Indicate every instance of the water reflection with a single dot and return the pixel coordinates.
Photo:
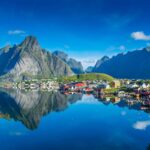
(142, 103)
(29, 107)
(89, 124)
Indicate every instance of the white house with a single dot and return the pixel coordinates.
(145, 86)
(134, 85)
(104, 86)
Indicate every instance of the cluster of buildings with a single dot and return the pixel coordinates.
(89, 86)
(38, 84)
(136, 84)
(122, 88)
(127, 90)
(138, 87)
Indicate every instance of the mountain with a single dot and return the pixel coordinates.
(100, 62)
(89, 69)
(132, 65)
(28, 60)
(75, 65)
(63, 56)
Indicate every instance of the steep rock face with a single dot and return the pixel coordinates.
(75, 65)
(63, 56)
(100, 62)
(5, 49)
(28, 59)
(133, 65)
(89, 69)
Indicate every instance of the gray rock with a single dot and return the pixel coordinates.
(28, 59)
(99, 63)
(63, 56)
(89, 69)
(76, 66)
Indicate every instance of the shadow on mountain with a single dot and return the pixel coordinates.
(29, 107)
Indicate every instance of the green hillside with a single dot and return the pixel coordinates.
(89, 76)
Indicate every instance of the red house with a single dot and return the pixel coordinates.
(80, 85)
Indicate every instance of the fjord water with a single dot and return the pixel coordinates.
(50, 120)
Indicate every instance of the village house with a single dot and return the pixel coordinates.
(115, 100)
(73, 86)
(43, 85)
(34, 86)
(145, 86)
(104, 86)
(92, 85)
(132, 85)
(52, 85)
(124, 82)
(115, 84)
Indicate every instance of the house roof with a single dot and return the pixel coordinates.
(79, 84)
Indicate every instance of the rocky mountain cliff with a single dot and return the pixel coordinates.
(89, 69)
(132, 65)
(63, 56)
(28, 60)
(100, 62)
(75, 65)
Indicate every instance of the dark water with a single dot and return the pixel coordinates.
(51, 120)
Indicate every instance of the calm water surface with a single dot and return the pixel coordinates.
(51, 120)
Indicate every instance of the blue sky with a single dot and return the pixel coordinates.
(85, 29)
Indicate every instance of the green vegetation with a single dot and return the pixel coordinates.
(83, 77)
(2, 84)
(125, 89)
(5, 84)
(110, 91)
(27, 76)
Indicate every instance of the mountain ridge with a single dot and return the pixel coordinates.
(132, 65)
(28, 59)
(76, 66)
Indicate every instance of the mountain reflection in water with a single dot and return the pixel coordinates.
(29, 107)
(89, 122)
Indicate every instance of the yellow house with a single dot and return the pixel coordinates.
(115, 84)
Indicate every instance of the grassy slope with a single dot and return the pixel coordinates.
(90, 76)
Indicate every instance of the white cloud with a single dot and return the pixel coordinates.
(140, 35)
(16, 32)
(141, 125)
